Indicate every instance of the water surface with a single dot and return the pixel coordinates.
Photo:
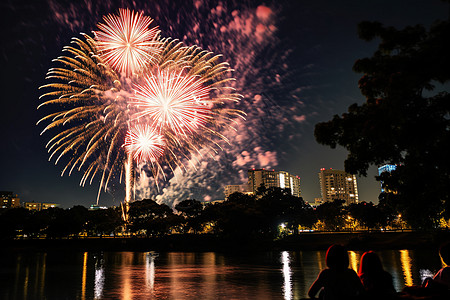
(183, 275)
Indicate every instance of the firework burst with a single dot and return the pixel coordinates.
(126, 42)
(144, 143)
(173, 101)
(107, 123)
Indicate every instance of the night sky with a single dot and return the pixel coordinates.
(293, 65)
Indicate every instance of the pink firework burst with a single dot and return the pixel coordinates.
(126, 42)
(173, 101)
(144, 143)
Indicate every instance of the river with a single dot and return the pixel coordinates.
(185, 275)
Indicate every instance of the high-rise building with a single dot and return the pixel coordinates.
(385, 168)
(272, 178)
(9, 200)
(233, 188)
(337, 184)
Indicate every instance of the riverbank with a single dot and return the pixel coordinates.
(205, 243)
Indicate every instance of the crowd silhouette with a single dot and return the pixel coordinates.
(339, 282)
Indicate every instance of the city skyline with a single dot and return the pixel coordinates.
(301, 66)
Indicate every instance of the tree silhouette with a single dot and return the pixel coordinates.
(332, 214)
(402, 121)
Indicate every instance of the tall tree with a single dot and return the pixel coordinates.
(332, 214)
(189, 207)
(149, 217)
(402, 121)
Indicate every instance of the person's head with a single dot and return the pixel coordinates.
(337, 257)
(444, 252)
(370, 263)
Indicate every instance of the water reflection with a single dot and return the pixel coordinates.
(149, 270)
(127, 260)
(83, 278)
(286, 275)
(406, 266)
(177, 275)
(99, 279)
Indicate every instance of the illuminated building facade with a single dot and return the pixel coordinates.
(385, 168)
(233, 188)
(39, 206)
(337, 184)
(9, 200)
(272, 178)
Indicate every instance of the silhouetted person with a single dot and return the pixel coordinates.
(337, 281)
(376, 281)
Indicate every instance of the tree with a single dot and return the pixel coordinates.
(367, 214)
(189, 207)
(12, 221)
(38, 222)
(149, 217)
(104, 221)
(64, 222)
(401, 122)
(331, 213)
(190, 210)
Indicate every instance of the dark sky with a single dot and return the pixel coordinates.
(293, 62)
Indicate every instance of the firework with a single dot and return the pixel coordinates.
(173, 101)
(92, 113)
(109, 123)
(126, 42)
(144, 143)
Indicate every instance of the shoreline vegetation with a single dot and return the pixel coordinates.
(359, 240)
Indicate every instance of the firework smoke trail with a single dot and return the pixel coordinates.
(97, 118)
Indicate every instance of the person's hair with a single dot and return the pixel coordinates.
(370, 263)
(337, 257)
(444, 252)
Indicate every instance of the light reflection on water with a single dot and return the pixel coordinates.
(178, 275)
(83, 280)
(286, 275)
(99, 280)
(406, 266)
